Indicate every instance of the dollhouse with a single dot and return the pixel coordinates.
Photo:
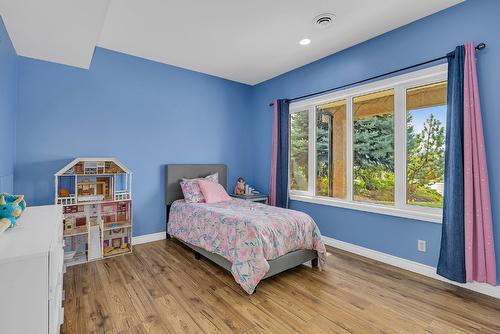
(96, 199)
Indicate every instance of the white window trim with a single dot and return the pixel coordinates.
(399, 84)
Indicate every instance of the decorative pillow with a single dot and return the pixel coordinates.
(212, 177)
(191, 190)
(213, 192)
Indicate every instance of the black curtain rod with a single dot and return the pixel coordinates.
(480, 46)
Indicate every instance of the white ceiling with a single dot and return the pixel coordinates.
(61, 31)
(245, 41)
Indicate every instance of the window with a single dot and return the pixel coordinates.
(377, 147)
(331, 149)
(299, 150)
(373, 146)
(426, 119)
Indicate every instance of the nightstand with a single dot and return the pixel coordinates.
(261, 198)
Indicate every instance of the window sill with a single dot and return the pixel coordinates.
(422, 215)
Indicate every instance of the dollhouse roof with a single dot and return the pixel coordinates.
(77, 160)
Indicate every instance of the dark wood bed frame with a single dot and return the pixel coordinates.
(174, 174)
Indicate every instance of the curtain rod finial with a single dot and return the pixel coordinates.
(480, 46)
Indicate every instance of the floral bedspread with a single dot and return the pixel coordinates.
(245, 233)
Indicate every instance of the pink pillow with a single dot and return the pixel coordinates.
(191, 190)
(213, 192)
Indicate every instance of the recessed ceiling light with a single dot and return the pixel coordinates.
(305, 41)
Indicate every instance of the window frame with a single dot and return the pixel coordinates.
(400, 84)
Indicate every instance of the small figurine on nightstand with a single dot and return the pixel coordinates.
(240, 187)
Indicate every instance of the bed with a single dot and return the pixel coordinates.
(253, 241)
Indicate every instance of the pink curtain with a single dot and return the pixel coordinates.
(274, 159)
(480, 262)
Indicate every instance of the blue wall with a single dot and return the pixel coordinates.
(8, 106)
(436, 35)
(145, 114)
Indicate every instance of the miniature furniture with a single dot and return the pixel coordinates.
(31, 273)
(261, 198)
(96, 199)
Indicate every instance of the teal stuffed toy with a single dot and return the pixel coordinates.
(11, 208)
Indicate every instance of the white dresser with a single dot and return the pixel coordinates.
(31, 273)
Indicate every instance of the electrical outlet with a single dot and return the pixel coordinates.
(422, 246)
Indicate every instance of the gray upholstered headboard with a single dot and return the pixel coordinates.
(174, 174)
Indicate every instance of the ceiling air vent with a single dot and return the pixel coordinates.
(324, 20)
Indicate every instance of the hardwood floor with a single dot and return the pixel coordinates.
(161, 288)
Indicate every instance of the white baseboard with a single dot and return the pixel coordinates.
(142, 239)
(412, 266)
